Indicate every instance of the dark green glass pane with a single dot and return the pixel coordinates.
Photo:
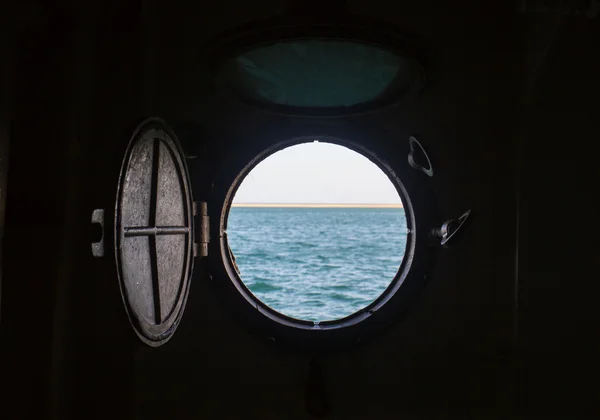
(318, 73)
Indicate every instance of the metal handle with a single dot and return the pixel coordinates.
(413, 144)
(98, 247)
(451, 228)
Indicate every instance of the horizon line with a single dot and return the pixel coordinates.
(320, 205)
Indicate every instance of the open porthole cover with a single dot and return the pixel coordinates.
(154, 232)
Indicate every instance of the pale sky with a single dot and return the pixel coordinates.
(317, 172)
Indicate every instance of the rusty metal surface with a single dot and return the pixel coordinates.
(154, 232)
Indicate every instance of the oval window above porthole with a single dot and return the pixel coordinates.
(319, 74)
(320, 68)
(316, 233)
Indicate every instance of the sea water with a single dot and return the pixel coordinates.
(317, 264)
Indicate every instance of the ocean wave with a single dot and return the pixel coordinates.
(317, 264)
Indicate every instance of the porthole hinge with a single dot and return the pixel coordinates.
(201, 211)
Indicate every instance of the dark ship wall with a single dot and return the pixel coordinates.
(507, 322)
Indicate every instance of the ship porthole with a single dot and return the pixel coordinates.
(317, 233)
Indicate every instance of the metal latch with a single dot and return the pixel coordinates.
(201, 210)
(98, 219)
(451, 228)
(418, 157)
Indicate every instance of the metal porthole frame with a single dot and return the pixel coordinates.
(420, 206)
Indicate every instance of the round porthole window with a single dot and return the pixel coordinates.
(317, 234)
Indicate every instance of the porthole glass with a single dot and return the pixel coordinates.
(319, 74)
(317, 232)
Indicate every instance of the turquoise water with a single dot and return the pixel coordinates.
(317, 264)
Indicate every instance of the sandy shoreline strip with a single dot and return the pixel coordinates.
(319, 206)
